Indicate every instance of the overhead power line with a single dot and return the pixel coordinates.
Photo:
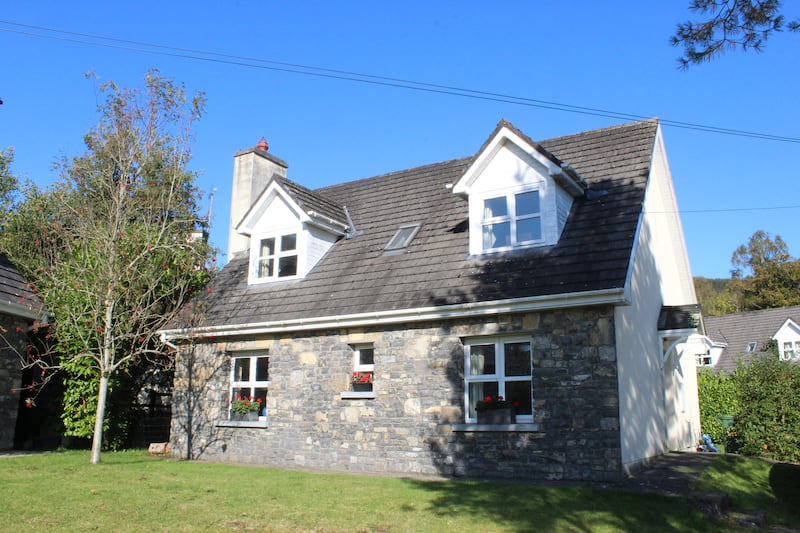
(344, 75)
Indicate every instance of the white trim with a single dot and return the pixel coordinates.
(419, 314)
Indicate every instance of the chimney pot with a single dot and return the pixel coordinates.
(262, 145)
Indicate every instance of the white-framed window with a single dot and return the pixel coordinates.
(276, 257)
(363, 368)
(790, 351)
(496, 367)
(250, 379)
(511, 219)
(704, 359)
(751, 347)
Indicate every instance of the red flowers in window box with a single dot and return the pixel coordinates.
(490, 403)
(362, 377)
(243, 404)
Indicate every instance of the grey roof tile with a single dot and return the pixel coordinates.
(740, 329)
(357, 277)
(15, 291)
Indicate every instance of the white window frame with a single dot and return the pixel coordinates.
(511, 218)
(251, 383)
(277, 255)
(358, 366)
(499, 375)
(792, 352)
(704, 360)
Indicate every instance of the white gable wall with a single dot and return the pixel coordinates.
(658, 406)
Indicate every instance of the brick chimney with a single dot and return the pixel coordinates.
(252, 170)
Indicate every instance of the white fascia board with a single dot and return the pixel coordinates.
(477, 309)
(505, 135)
(326, 223)
(252, 216)
(788, 325)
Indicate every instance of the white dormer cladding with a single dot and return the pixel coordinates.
(788, 340)
(285, 241)
(519, 195)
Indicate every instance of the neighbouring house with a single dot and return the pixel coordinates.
(20, 310)
(371, 326)
(739, 337)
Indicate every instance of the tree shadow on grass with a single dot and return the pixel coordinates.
(517, 507)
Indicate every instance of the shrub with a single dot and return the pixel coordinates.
(718, 397)
(768, 422)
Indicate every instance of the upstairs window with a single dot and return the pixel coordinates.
(277, 257)
(511, 220)
(790, 351)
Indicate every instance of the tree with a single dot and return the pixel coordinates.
(109, 247)
(764, 274)
(8, 185)
(731, 24)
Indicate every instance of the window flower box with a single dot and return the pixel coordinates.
(495, 411)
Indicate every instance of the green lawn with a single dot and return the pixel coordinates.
(130, 491)
(750, 487)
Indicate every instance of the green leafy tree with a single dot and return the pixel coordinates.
(764, 275)
(714, 297)
(9, 186)
(110, 248)
(728, 25)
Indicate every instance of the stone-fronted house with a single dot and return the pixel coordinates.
(370, 320)
(737, 338)
(20, 308)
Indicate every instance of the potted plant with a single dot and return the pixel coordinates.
(244, 408)
(362, 381)
(496, 410)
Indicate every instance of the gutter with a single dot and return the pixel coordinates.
(421, 314)
(11, 308)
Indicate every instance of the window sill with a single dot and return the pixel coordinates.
(241, 423)
(520, 428)
(364, 395)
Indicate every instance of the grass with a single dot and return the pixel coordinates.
(747, 482)
(129, 491)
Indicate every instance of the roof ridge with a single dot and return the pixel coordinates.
(401, 171)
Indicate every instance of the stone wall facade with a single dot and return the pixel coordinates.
(415, 422)
(13, 341)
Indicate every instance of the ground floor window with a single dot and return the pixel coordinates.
(499, 369)
(363, 368)
(249, 385)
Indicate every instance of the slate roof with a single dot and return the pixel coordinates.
(16, 296)
(357, 277)
(740, 329)
(310, 201)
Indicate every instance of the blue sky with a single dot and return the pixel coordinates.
(611, 55)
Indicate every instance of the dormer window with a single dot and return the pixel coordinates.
(511, 220)
(277, 257)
